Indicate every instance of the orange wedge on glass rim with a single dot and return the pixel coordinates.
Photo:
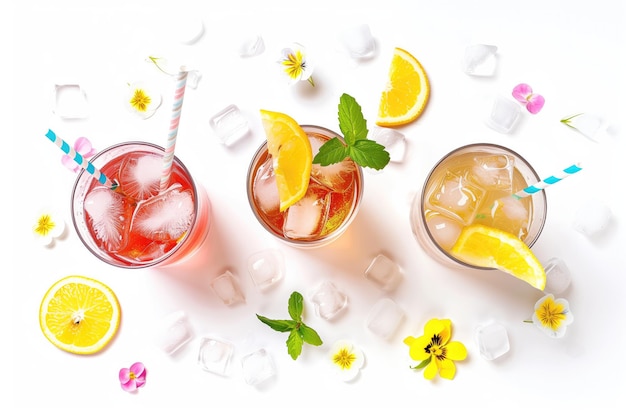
(292, 156)
(407, 92)
(488, 247)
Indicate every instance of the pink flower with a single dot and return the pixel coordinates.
(83, 147)
(133, 377)
(524, 94)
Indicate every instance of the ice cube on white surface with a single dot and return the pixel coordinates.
(358, 41)
(328, 300)
(251, 46)
(558, 277)
(106, 210)
(266, 268)
(226, 287)
(480, 60)
(193, 79)
(592, 217)
(492, 340)
(229, 124)
(384, 272)
(504, 115)
(258, 367)
(393, 140)
(70, 101)
(384, 318)
(214, 355)
(174, 332)
(140, 177)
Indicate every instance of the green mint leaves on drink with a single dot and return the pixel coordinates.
(299, 333)
(363, 151)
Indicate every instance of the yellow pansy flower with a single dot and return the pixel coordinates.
(552, 316)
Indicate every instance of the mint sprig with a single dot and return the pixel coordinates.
(353, 126)
(299, 333)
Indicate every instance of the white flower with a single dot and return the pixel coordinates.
(346, 360)
(295, 64)
(142, 101)
(552, 316)
(48, 226)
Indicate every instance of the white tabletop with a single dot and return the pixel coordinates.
(571, 52)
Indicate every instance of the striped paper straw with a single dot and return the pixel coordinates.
(548, 181)
(168, 157)
(80, 160)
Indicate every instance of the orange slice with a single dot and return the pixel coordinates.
(492, 248)
(79, 315)
(292, 156)
(406, 93)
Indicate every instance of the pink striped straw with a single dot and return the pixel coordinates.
(168, 157)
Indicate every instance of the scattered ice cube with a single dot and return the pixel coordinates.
(393, 140)
(266, 190)
(229, 125)
(457, 196)
(266, 268)
(480, 60)
(258, 367)
(140, 177)
(107, 213)
(492, 340)
(214, 355)
(558, 277)
(70, 101)
(227, 288)
(592, 217)
(328, 300)
(384, 318)
(251, 46)
(193, 79)
(493, 172)
(165, 217)
(504, 115)
(358, 41)
(174, 332)
(384, 272)
(445, 230)
(306, 218)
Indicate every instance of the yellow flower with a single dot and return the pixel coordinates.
(552, 316)
(142, 101)
(48, 227)
(435, 351)
(295, 64)
(346, 360)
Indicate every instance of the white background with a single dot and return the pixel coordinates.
(571, 52)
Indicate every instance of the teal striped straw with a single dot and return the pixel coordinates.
(80, 160)
(532, 189)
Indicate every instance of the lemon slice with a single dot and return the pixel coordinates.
(79, 315)
(492, 248)
(292, 156)
(406, 93)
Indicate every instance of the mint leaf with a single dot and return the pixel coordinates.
(331, 152)
(351, 121)
(369, 153)
(279, 325)
(295, 306)
(294, 344)
(310, 336)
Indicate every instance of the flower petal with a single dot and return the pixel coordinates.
(456, 351)
(124, 375)
(417, 349)
(447, 368)
(83, 147)
(431, 370)
(521, 92)
(535, 103)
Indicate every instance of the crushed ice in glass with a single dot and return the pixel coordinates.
(70, 101)
(214, 355)
(266, 268)
(492, 340)
(480, 60)
(140, 177)
(174, 332)
(493, 171)
(384, 318)
(229, 125)
(358, 41)
(591, 218)
(504, 115)
(558, 277)
(384, 272)
(106, 210)
(457, 196)
(337, 177)
(393, 140)
(226, 287)
(258, 367)
(328, 300)
(266, 192)
(306, 218)
(445, 231)
(251, 46)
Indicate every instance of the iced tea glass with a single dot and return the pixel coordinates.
(323, 214)
(475, 184)
(136, 226)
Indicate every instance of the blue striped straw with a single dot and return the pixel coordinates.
(548, 181)
(80, 160)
